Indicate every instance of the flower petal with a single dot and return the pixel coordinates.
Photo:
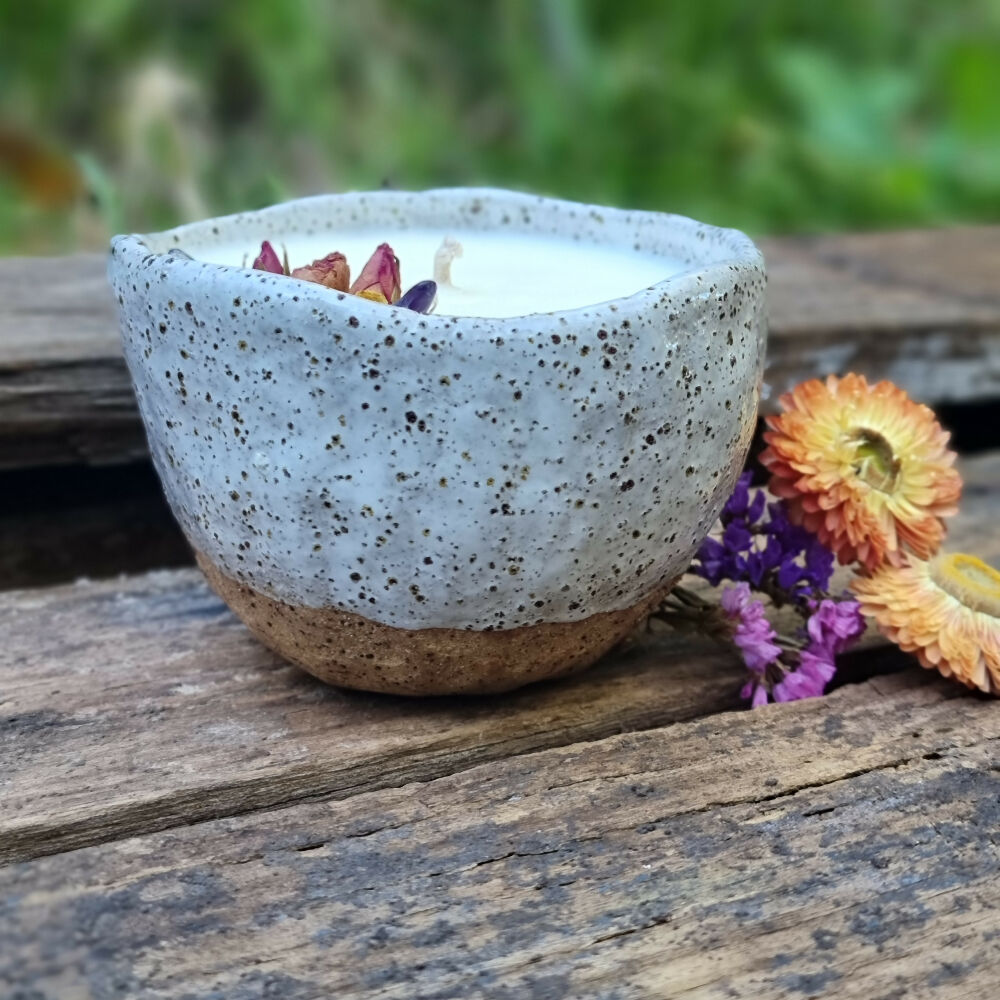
(421, 297)
(331, 271)
(381, 273)
(932, 609)
(863, 467)
(268, 260)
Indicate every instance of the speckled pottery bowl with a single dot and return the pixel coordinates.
(436, 504)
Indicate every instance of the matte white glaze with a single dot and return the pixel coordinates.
(440, 471)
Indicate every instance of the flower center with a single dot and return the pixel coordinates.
(874, 461)
(969, 580)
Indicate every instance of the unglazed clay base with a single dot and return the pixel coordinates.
(348, 650)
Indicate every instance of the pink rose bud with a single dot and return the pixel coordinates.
(332, 271)
(380, 274)
(267, 260)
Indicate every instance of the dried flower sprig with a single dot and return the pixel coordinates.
(863, 474)
(332, 271)
(770, 553)
(864, 468)
(945, 610)
(379, 280)
(760, 550)
(267, 260)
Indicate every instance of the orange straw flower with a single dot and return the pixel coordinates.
(863, 467)
(947, 611)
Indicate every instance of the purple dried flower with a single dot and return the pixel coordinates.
(795, 541)
(807, 680)
(756, 507)
(752, 632)
(834, 625)
(736, 537)
(422, 297)
(831, 628)
(817, 664)
(797, 684)
(773, 554)
(712, 561)
(755, 690)
(759, 547)
(736, 505)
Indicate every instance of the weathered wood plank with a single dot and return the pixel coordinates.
(141, 704)
(922, 308)
(844, 847)
(138, 704)
(65, 395)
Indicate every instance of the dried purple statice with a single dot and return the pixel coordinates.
(771, 554)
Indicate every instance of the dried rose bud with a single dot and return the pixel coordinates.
(267, 260)
(381, 273)
(421, 298)
(331, 271)
(373, 295)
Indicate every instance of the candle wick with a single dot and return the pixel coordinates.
(450, 249)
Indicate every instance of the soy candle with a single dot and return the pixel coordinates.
(465, 501)
(497, 274)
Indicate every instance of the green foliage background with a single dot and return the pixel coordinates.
(769, 115)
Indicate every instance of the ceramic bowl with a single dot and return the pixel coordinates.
(436, 504)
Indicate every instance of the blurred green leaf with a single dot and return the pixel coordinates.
(770, 116)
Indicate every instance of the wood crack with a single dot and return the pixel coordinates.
(176, 810)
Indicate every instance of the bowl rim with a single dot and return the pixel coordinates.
(694, 280)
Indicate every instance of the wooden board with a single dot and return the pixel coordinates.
(922, 308)
(139, 704)
(133, 705)
(65, 395)
(838, 848)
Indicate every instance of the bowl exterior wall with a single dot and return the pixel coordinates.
(440, 472)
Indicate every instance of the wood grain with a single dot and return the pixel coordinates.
(65, 395)
(922, 308)
(138, 704)
(143, 703)
(838, 848)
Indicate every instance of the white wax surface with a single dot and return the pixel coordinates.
(498, 274)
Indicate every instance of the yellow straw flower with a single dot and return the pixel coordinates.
(863, 467)
(947, 611)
